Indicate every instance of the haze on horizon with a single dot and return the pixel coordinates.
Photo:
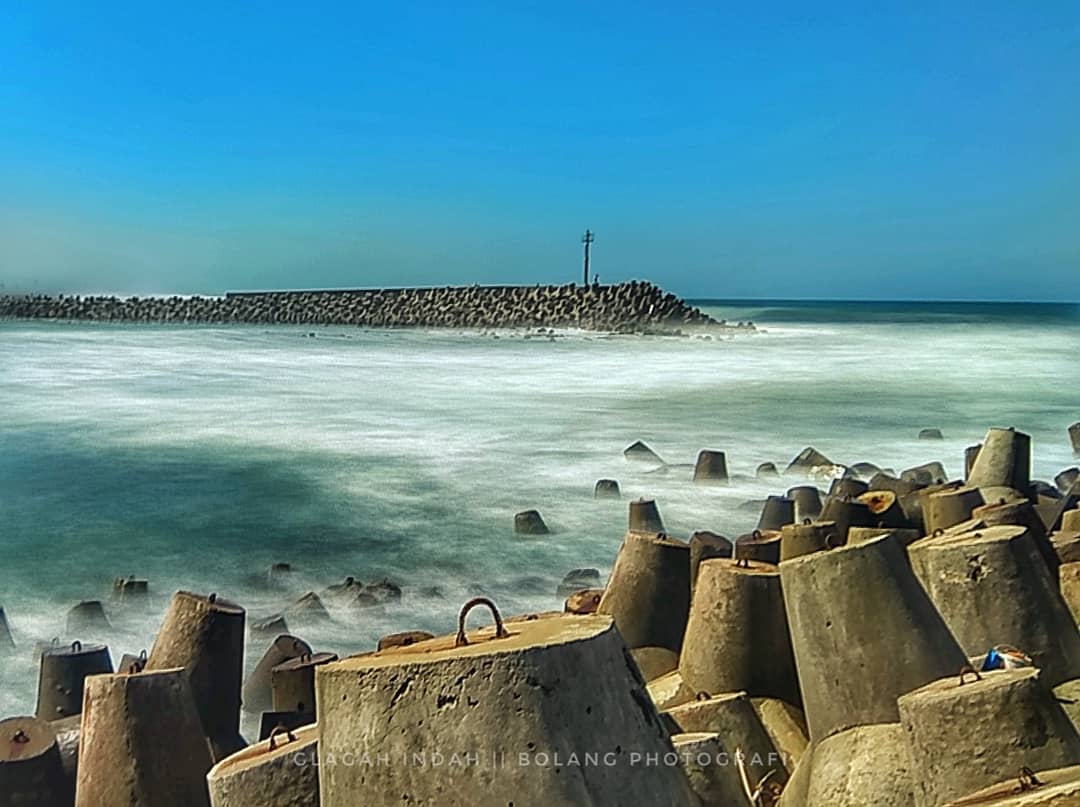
(859, 151)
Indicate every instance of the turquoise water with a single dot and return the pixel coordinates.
(198, 456)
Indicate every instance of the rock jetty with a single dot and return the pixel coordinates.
(625, 307)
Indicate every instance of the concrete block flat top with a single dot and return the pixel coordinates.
(24, 738)
(752, 567)
(947, 688)
(546, 630)
(1056, 788)
(980, 535)
(257, 754)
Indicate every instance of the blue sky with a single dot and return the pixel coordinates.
(861, 150)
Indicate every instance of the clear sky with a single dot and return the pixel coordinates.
(839, 150)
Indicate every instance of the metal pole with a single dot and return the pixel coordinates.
(587, 240)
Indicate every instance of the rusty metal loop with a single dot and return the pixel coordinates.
(808, 521)
(500, 631)
(277, 732)
(937, 532)
(967, 668)
(829, 540)
(1028, 780)
(702, 696)
(142, 655)
(76, 646)
(20, 737)
(756, 535)
(742, 562)
(213, 597)
(305, 658)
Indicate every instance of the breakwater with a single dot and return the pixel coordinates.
(625, 307)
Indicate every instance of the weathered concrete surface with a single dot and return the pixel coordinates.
(807, 499)
(644, 516)
(654, 662)
(705, 545)
(786, 726)
(63, 669)
(863, 766)
(965, 737)
(624, 307)
(737, 635)
(732, 716)
(1004, 461)
(669, 691)
(31, 774)
(1070, 588)
(992, 588)
(292, 682)
(864, 632)
(205, 636)
(710, 769)
(1023, 513)
(523, 693)
(810, 536)
(142, 743)
(648, 592)
(257, 693)
(711, 468)
(279, 772)
(945, 508)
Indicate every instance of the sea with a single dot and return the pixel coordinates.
(195, 457)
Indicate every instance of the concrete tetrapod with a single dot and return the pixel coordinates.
(142, 743)
(257, 693)
(775, 513)
(6, 642)
(971, 453)
(762, 546)
(1057, 788)
(810, 536)
(992, 588)
(737, 635)
(645, 516)
(711, 468)
(654, 662)
(61, 675)
(705, 545)
(292, 682)
(1023, 513)
(807, 499)
(648, 592)
(1003, 461)
(282, 771)
(68, 731)
(864, 632)
(866, 765)
(88, 619)
(732, 716)
(512, 695)
(205, 636)
(945, 508)
(786, 726)
(962, 737)
(530, 522)
(31, 774)
(606, 489)
(710, 769)
(885, 507)
(846, 513)
(847, 486)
